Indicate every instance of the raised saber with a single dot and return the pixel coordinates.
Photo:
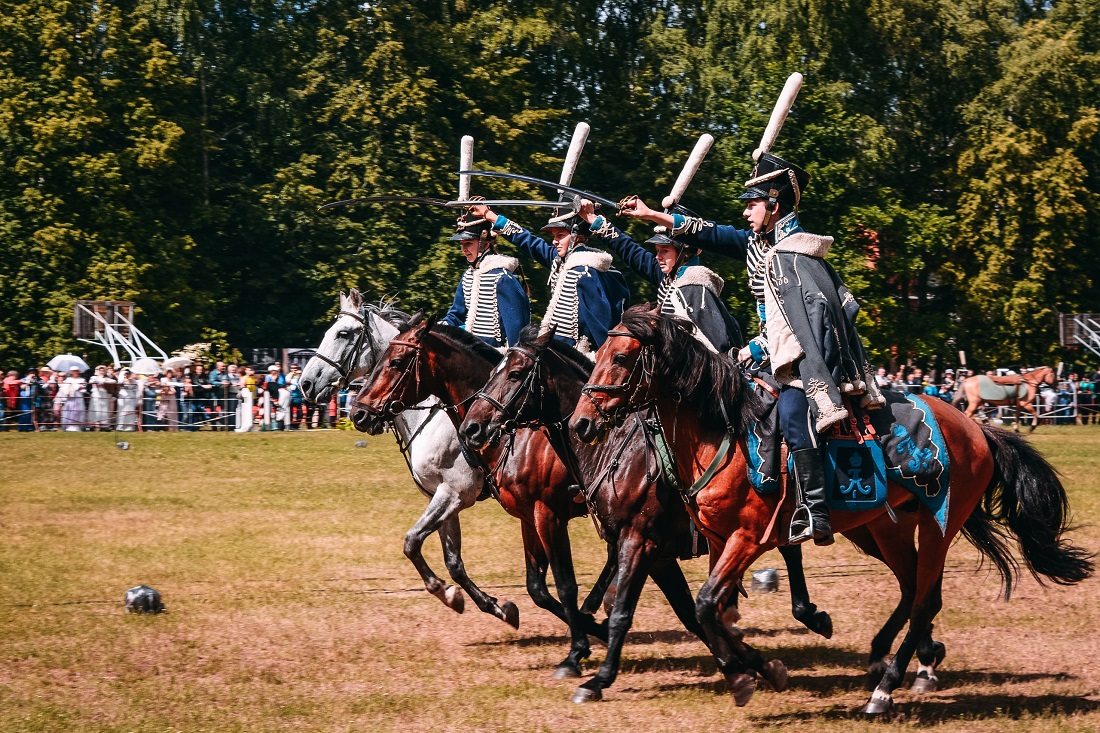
(465, 162)
(429, 201)
(691, 167)
(573, 156)
(779, 114)
(547, 184)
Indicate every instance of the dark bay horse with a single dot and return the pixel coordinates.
(1017, 391)
(641, 515)
(528, 479)
(1000, 487)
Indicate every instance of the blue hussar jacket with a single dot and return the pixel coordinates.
(502, 307)
(699, 287)
(602, 293)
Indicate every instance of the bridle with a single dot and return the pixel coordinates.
(638, 385)
(411, 368)
(510, 413)
(347, 363)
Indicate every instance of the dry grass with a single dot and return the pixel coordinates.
(292, 608)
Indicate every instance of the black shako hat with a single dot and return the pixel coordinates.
(776, 180)
(566, 218)
(471, 227)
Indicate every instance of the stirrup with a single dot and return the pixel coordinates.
(796, 517)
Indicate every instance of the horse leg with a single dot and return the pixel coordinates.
(930, 652)
(727, 641)
(802, 608)
(633, 559)
(537, 565)
(442, 505)
(929, 576)
(554, 533)
(599, 589)
(450, 536)
(893, 545)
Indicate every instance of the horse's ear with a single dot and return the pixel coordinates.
(355, 298)
(343, 301)
(545, 337)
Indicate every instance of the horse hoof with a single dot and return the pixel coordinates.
(775, 673)
(511, 614)
(877, 706)
(741, 686)
(454, 599)
(566, 671)
(922, 685)
(824, 624)
(583, 695)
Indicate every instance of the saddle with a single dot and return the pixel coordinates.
(900, 444)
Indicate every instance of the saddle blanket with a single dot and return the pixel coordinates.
(907, 448)
(990, 391)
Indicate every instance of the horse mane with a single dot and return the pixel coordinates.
(467, 340)
(567, 353)
(704, 379)
(385, 310)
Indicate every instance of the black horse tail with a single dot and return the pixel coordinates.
(1025, 500)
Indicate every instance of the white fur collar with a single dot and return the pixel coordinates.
(699, 275)
(594, 258)
(495, 262)
(805, 244)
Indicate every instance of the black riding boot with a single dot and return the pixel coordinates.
(809, 472)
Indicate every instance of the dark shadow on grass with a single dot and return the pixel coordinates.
(934, 711)
(703, 665)
(637, 637)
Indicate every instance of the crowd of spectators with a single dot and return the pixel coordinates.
(231, 397)
(1057, 400)
(227, 397)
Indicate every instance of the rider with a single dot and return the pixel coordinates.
(490, 301)
(684, 287)
(588, 295)
(807, 323)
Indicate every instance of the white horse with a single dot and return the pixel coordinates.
(428, 439)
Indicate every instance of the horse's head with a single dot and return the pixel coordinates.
(348, 350)
(512, 396)
(395, 382)
(622, 380)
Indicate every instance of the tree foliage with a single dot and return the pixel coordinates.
(175, 152)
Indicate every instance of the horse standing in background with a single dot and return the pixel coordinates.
(1014, 390)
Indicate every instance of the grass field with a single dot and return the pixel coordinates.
(291, 607)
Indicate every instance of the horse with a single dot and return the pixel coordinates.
(524, 474)
(427, 439)
(640, 514)
(1018, 391)
(1000, 488)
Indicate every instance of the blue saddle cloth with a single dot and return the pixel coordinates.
(909, 451)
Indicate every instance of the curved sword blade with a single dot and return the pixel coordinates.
(386, 200)
(512, 202)
(545, 184)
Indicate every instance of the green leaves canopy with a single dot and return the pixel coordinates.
(174, 152)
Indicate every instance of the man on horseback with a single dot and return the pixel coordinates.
(807, 322)
(684, 287)
(588, 295)
(490, 301)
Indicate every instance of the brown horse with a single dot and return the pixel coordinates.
(527, 478)
(999, 486)
(1018, 390)
(640, 514)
